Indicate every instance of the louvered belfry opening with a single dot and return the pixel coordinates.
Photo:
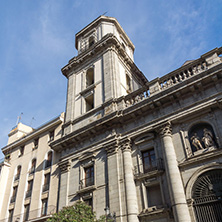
(207, 196)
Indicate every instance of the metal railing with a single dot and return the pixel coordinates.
(148, 168)
(32, 215)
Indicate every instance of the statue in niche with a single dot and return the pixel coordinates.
(196, 141)
(207, 138)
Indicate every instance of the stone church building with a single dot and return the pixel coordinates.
(135, 150)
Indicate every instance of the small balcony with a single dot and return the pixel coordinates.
(156, 166)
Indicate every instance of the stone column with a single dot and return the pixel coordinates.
(131, 196)
(64, 183)
(114, 195)
(176, 188)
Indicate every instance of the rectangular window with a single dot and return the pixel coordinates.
(89, 176)
(44, 207)
(154, 196)
(49, 160)
(51, 135)
(32, 170)
(149, 160)
(10, 217)
(14, 193)
(128, 84)
(29, 190)
(36, 144)
(26, 212)
(17, 176)
(46, 182)
(89, 102)
(89, 77)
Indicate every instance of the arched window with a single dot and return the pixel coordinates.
(90, 77)
(32, 170)
(17, 176)
(49, 160)
(207, 196)
(91, 41)
(201, 136)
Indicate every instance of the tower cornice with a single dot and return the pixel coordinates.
(108, 42)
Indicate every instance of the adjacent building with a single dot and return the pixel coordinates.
(28, 172)
(133, 149)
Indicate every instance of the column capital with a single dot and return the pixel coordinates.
(165, 129)
(126, 144)
(64, 166)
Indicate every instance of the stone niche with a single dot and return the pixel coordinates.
(202, 138)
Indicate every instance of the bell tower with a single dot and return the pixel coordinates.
(103, 70)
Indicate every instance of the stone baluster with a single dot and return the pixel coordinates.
(131, 196)
(175, 184)
(188, 73)
(64, 183)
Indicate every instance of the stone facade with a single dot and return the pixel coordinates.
(145, 150)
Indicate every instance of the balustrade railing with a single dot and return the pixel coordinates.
(183, 73)
(32, 215)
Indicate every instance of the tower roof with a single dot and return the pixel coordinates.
(95, 23)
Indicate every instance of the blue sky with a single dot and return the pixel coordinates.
(37, 40)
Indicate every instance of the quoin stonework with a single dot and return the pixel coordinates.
(135, 150)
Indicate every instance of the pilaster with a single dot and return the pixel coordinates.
(64, 183)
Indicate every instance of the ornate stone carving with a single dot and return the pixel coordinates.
(196, 141)
(65, 166)
(165, 129)
(207, 138)
(126, 144)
